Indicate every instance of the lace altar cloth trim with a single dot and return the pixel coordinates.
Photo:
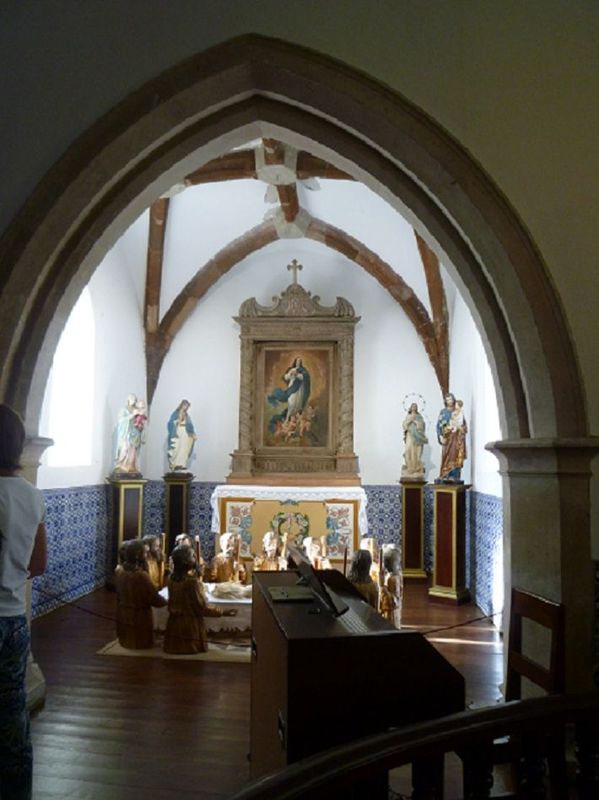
(294, 493)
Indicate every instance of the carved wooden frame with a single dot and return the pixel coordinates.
(296, 321)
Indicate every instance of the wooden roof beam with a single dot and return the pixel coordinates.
(158, 343)
(154, 264)
(380, 270)
(438, 300)
(232, 166)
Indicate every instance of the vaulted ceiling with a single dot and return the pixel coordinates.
(301, 199)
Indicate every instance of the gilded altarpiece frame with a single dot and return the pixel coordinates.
(296, 411)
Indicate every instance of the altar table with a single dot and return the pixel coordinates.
(337, 512)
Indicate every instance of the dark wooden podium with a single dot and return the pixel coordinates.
(315, 684)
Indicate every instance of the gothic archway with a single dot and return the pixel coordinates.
(214, 100)
(261, 87)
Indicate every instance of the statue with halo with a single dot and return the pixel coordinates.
(414, 437)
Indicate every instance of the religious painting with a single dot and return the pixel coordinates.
(295, 386)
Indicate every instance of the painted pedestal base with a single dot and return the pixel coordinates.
(177, 506)
(412, 529)
(449, 544)
(127, 513)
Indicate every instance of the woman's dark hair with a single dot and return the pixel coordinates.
(12, 438)
(359, 571)
(182, 557)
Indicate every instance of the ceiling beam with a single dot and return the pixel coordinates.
(356, 251)
(309, 166)
(230, 167)
(241, 164)
(159, 342)
(155, 259)
(438, 301)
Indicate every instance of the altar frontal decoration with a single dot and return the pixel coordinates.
(335, 522)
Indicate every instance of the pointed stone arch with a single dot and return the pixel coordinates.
(194, 112)
(257, 87)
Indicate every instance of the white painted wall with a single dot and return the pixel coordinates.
(515, 83)
(470, 380)
(119, 358)
(203, 363)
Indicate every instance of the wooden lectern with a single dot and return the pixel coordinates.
(320, 680)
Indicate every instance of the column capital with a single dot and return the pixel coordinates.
(31, 457)
(545, 456)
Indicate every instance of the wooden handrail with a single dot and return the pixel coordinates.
(466, 732)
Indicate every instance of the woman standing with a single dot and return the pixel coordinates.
(23, 555)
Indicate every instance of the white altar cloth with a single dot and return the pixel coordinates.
(241, 622)
(295, 493)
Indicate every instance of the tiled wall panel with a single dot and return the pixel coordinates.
(78, 521)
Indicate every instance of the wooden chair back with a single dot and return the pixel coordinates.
(551, 678)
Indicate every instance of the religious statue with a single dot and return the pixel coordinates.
(181, 438)
(316, 552)
(130, 426)
(136, 594)
(187, 606)
(415, 439)
(369, 543)
(226, 566)
(359, 576)
(451, 433)
(391, 597)
(155, 559)
(270, 559)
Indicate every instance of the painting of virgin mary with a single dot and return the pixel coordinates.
(296, 403)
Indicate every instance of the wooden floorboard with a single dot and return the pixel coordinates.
(116, 727)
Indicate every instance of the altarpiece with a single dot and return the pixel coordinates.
(296, 392)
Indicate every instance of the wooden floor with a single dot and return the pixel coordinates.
(116, 728)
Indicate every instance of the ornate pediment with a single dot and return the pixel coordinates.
(296, 301)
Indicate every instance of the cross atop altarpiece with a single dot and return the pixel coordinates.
(296, 390)
(294, 267)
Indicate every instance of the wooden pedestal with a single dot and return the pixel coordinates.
(449, 544)
(177, 506)
(127, 512)
(412, 529)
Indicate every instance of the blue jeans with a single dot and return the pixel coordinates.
(16, 758)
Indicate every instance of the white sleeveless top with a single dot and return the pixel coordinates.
(22, 509)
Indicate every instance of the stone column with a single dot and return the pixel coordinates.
(34, 680)
(547, 541)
